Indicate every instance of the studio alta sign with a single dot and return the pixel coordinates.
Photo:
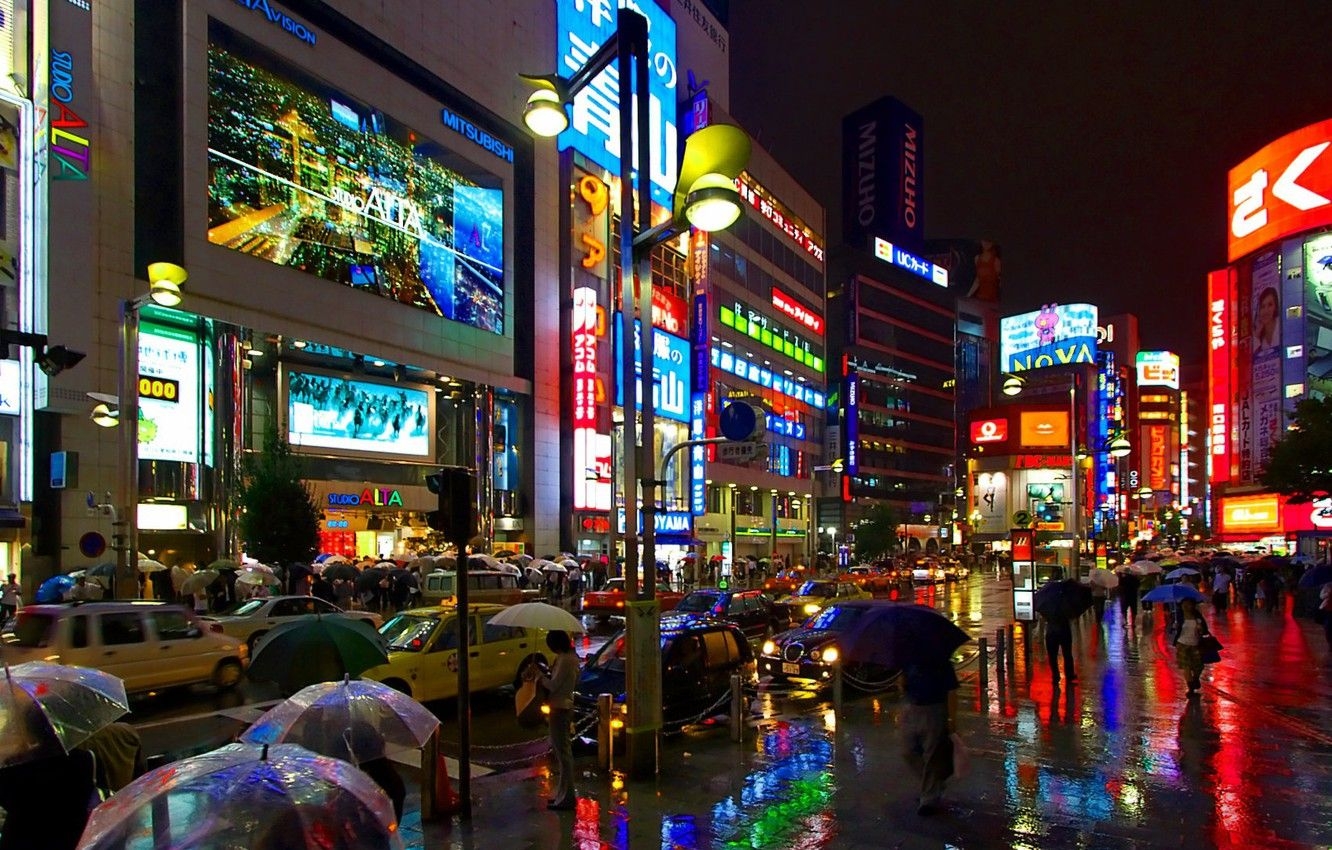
(370, 497)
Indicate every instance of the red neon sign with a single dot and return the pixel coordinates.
(669, 313)
(989, 431)
(1282, 189)
(1158, 464)
(795, 310)
(1218, 374)
(780, 217)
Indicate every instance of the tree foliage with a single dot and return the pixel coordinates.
(279, 519)
(876, 534)
(1300, 466)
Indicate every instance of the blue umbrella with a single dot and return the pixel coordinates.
(53, 589)
(107, 570)
(1173, 593)
(1316, 576)
(1176, 575)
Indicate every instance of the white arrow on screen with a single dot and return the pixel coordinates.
(1293, 193)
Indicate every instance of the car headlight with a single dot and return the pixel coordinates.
(811, 607)
(830, 655)
(769, 648)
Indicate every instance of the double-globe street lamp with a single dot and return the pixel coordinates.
(1117, 447)
(705, 198)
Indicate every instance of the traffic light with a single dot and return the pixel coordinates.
(455, 512)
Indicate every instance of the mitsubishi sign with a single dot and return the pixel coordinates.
(1282, 189)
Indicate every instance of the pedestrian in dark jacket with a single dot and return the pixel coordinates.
(927, 726)
(1128, 594)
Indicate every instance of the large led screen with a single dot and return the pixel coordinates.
(304, 176)
(1055, 335)
(327, 412)
(169, 387)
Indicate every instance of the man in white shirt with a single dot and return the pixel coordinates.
(1221, 590)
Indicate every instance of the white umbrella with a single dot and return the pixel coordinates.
(569, 563)
(337, 559)
(198, 581)
(552, 567)
(534, 574)
(511, 569)
(148, 565)
(525, 558)
(1143, 568)
(487, 562)
(537, 615)
(1104, 578)
(257, 577)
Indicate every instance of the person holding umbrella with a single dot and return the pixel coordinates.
(927, 726)
(560, 683)
(1190, 634)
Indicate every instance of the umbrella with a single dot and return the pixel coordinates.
(1170, 561)
(344, 571)
(1143, 568)
(48, 709)
(569, 563)
(535, 574)
(1172, 593)
(895, 634)
(322, 649)
(223, 564)
(348, 720)
(103, 570)
(505, 553)
(199, 581)
(1176, 575)
(1316, 576)
(481, 562)
(525, 558)
(334, 559)
(369, 579)
(550, 567)
(386, 565)
(1067, 599)
(537, 615)
(257, 577)
(511, 569)
(248, 795)
(53, 589)
(148, 565)
(1104, 578)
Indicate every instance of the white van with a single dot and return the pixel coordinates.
(482, 586)
(149, 645)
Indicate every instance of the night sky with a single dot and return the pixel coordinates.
(1092, 145)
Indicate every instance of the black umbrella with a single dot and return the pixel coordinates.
(346, 572)
(1066, 599)
(1316, 576)
(369, 579)
(102, 570)
(895, 634)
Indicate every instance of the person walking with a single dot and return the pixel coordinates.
(1325, 611)
(1221, 590)
(927, 727)
(1189, 637)
(11, 599)
(1128, 595)
(1099, 593)
(560, 682)
(1059, 638)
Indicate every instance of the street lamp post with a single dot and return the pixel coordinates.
(705, 198)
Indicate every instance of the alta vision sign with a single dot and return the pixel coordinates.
(281, 19)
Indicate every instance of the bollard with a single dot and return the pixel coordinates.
(737, 709)
(1012, 646)
(984, 646)
(605, 741)
(999, 648)
(837, 686)
(429, 760)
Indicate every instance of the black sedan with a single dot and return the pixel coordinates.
(807, 653)
(751, 610)
(698, 656)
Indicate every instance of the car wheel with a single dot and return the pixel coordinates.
(253, 641)
(227, 674)
(538, 661)
(399, 685)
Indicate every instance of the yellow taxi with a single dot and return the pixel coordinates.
(815, 595)
(423, 652)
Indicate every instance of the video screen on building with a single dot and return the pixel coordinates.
(307, 177)
(337, 414)
(169, 409)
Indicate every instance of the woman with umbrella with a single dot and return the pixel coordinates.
(1189, 637)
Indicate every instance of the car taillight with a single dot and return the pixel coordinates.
(215, 627)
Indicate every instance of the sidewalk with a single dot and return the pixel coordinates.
(1122, 759)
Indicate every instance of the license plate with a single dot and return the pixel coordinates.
(790, 669)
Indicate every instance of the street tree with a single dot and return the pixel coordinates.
(279, 519)
(1300, 466)
(876, 533)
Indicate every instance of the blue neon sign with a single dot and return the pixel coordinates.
(890, 253)
(582, 26)
(743, 368)
(670, 372)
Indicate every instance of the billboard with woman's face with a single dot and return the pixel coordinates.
(1265, 345)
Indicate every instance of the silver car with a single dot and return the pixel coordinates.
(252, 619)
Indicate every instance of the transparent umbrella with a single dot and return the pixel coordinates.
(349, 720)
(247, 796)
(199, 581)
(48, 709)
(537, 615)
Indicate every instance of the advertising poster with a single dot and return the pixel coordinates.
(348, 415)
(1265, 328)
(1055, 335)
(1241, 292)
(991, 490)
(304, 176)
(1318, 316)
(169, 427)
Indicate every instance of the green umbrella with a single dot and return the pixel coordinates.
(317, 649)
(224, 564)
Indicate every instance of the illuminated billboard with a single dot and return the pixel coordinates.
(169, 394)
(1043, 428)
(304, 176)
(1284, 188)
(1055, 335)
(883, 177)
(671, 361)
(1158, 369)
(1318, 316)
(1218, 374)
(339, 415)
(1251, 514)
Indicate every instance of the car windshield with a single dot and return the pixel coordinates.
(408, 633)
(837, 618)
(698, 602)
(244, 609)
(33, 629)
(611, 656)
(817, 588)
